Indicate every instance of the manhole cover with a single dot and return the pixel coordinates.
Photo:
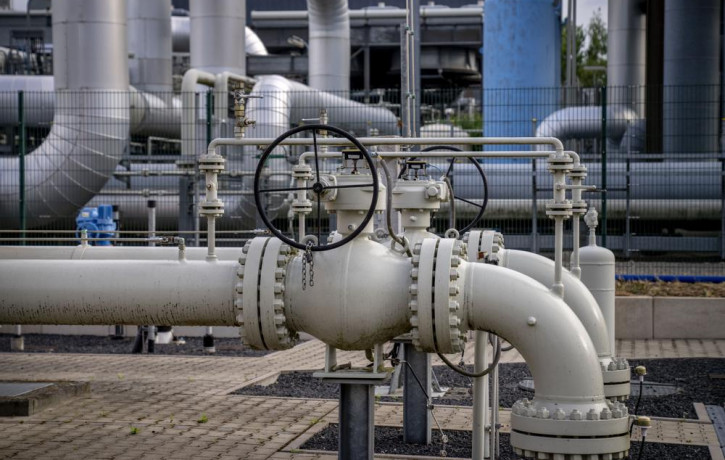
(649, 389)
(11, 389)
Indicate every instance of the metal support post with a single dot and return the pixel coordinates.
(151, 205)
(17, 341)
(722, 208)
(415, 66)
(21, 168)
(534, 209)
(604, 168)
(151, 342)
(495, 424)
(356, 437)
(481, 421)
(417, 420)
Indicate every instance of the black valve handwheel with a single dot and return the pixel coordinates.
(474, 161)
(318, 187)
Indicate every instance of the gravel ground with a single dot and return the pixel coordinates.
(389, 440)
(51, 343)
(691, 375)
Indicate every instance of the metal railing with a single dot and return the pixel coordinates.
(664, 204)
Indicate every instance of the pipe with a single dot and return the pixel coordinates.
(217, 29)
(586, 122)
(285, 102)
(149, 45)
(90, 128)
(329, 45)
(557, 348)
(117, 292)
(626, 52)
(691, 78)
(376, 13)
(576, 294)
(110, 253)
(180, 31)
(332, 310)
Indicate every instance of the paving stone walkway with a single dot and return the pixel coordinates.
(161, 407)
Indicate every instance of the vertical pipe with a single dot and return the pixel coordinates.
(21, 169)
(604, 166)
(481, 422)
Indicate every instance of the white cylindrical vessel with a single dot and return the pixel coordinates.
(597, 265)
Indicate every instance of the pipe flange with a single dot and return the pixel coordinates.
(260, 294)
(436, 299)
(616, 377)
(211, 163)
(484, 246)
(551, 431)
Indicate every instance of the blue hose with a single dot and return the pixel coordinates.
(673, 278)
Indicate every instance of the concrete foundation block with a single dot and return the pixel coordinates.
(689, 318)
(634, 317)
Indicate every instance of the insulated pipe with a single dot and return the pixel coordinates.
(117, 292)
(586, 122)
(149, 44)
(90, 128)
(691, 78)
(150, 114)
(626, 52)
(285, 102)
(217, 35)
(329, 45)
(180, 30)
(576, 294)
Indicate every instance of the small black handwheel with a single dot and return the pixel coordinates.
(481, 207)
(318, 187)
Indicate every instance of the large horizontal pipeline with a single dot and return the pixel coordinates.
(117, 292)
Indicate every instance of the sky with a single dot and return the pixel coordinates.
(585, 9)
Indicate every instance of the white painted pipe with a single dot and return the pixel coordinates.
(360, 296)
(217, 35)
(552, 340)
(111, 253)
(576, 294)
(117, 292)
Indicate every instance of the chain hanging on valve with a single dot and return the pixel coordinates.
(307, 258)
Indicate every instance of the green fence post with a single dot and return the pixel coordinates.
(209, 115)
(604, 167)
(21, 169)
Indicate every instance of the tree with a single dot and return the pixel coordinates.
(591, 51)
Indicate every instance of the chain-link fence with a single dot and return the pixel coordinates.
(655, 151)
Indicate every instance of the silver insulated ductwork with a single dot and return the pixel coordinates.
(329, 45)
(91, 123)
(586, 122)
(217, 35)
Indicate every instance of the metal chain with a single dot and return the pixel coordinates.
(308, 259)
(312, 264)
